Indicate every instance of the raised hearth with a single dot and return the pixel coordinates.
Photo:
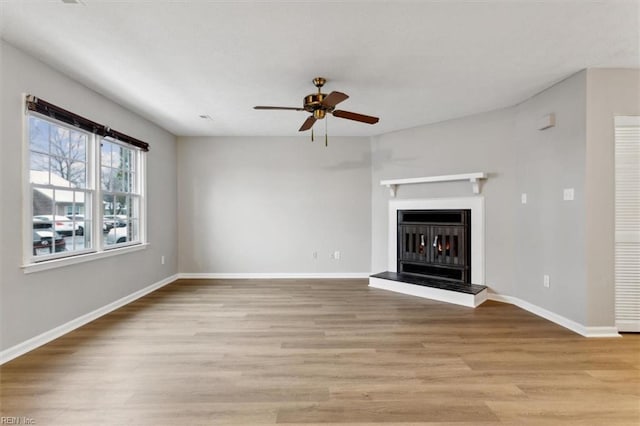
(471, 295)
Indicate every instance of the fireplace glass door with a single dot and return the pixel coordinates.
(434, 244)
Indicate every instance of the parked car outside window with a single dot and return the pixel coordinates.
(110, 221)
(62, 224)
(47, 241)
(79, 220)
(118, 235)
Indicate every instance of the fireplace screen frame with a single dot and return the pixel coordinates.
(435, 243)
(475, 203)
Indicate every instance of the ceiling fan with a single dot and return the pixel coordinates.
(320, 104)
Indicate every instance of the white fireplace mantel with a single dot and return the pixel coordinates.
(474, 178)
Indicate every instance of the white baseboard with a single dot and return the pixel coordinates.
(268, 275)
(558, 319)
(463, 299)
(46, 337)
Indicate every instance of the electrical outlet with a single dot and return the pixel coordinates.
(162, 260)
(315, 255)
(546, 281)
(568, 194)
(523, 198)
(336, 255)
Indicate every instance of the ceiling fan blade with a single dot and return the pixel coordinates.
(356, 117)
(309, 122)
(275, 107)
(334, 98)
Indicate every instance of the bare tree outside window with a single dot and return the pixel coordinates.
(65, 152)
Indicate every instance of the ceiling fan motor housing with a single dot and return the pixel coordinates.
(313, 104)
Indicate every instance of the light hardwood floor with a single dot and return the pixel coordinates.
(253, 352)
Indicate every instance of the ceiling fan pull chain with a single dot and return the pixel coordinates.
(312, 134)
(326, 138)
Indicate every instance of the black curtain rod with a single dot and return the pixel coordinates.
(46, 108)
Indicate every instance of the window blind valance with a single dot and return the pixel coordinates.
(46, 108)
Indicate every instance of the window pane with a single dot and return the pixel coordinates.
(132, 231)
(132, 162)
(42, 202)
(59, 141)
(121, 206)
(63, 199)
(60, 171)
(38, 135)
(78, 174)
(116, 235)
(78, 147)
(128, 210)
(108, 204)
(39, 169)
(134, 207)
(127, 156)
(116, 180)
(133, 182)
(105, 153)
(126, 182)
(105, 179)
(46, 241)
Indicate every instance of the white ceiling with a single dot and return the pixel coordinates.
(408, 62)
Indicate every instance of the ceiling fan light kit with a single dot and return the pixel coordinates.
(319, 105)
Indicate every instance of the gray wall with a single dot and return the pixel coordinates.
(31, 304)
(550, 232)
(480, 143)
(610, 93)
(265, 204)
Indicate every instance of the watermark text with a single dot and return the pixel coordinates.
(17, 420)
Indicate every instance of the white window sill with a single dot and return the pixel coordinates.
(66, 261)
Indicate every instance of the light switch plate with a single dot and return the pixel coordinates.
(523, 198)
(568, 194)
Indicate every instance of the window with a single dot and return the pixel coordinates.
(85, 186)
(58, 175)
(120, 193)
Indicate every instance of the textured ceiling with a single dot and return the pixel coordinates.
(408, 62)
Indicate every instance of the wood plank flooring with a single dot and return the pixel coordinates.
(206, 352)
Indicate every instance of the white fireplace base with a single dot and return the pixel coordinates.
(464, 299)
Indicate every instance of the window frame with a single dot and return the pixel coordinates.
(89, 188)
(33, 263)
(140, 170)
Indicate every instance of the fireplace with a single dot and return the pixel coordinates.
(435, 250)
(435, 244)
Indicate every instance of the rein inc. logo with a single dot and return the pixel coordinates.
(16, 420)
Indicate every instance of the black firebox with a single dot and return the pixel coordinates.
(435, 243)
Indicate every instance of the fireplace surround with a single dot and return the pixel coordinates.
(467, 287)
